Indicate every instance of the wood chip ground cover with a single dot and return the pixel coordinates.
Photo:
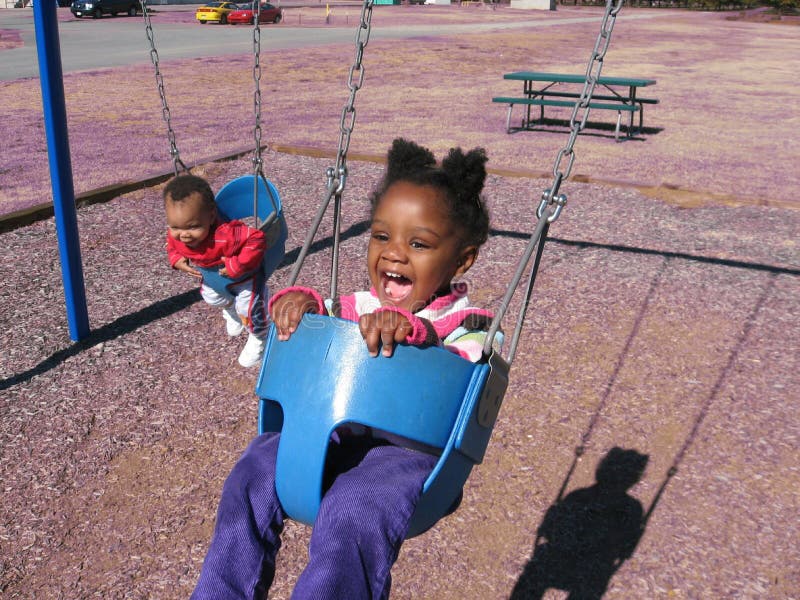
(661, 323)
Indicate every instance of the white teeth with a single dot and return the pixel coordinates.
(393, 275)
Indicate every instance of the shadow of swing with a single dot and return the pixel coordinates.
(586, 536)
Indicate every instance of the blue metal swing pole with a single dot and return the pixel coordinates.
(55, 124)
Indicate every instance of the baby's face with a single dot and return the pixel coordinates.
(415, 249)
(189, 220)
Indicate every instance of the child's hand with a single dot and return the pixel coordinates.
(224, 270)
(184, 265)
(383, 330)
(289, 309)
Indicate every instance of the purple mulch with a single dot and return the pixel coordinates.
(667, 330)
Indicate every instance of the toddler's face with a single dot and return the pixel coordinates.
(414, 249)
(189, 220)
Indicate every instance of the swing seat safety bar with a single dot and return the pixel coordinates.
(429, 396)
(236, 201)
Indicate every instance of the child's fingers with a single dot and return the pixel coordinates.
(394, 333)
(382, 332)
(286, 322)
(183, 265)
(403, 331)
(380, 337)
(370, 332)
(388, 333)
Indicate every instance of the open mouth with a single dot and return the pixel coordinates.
(396, 287)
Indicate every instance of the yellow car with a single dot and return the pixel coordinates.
(215, 11)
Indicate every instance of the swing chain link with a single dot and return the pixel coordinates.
(566, 155)
(258, 162)
(330, 175)
(338, 173)
(177, 163)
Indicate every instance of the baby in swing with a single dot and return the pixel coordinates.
(427, 225)
(197, 236)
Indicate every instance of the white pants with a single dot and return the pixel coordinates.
(249, 301)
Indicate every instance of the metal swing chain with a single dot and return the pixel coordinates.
(551, 196)
(355, 80)
(336, 175)
(258, 161)
(177, 163)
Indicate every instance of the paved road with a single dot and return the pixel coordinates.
(111, 42)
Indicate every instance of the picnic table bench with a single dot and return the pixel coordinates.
(552, 89)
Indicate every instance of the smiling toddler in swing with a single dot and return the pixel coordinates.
(197, 236)
(427, 225)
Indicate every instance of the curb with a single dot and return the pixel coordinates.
(666, 193)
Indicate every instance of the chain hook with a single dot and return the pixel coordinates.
(342, 179)
(547, 198)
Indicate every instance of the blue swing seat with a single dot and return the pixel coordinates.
(235, 201)
(323, 377)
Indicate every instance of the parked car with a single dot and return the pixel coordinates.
(215, 11)
(246, 14)
(98, 8)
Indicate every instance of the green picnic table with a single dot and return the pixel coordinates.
(560, 90)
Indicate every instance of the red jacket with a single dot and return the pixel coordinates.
(233, 244)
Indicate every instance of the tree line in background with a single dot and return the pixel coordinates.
(785, 7)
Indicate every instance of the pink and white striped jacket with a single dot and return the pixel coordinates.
(448, 321)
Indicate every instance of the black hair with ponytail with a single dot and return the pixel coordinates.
(459, 178)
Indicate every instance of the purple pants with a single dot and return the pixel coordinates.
(364, 515)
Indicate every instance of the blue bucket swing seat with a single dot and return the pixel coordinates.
(323, 377)
(245, 197)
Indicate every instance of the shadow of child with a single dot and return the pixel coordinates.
(586, 536)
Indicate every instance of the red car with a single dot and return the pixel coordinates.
(247, 14)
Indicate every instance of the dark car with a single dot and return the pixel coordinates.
(98, 8)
